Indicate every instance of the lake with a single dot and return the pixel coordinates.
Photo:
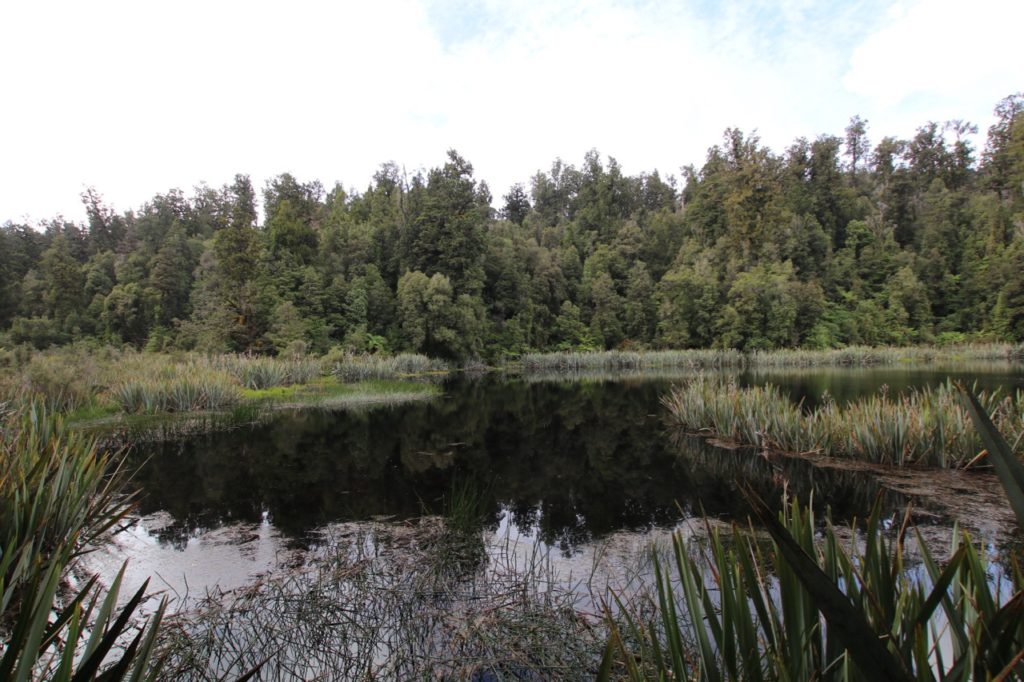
(568, 465)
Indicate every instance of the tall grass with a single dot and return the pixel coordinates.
(630, 360)
(929, 426)
(866, 356)
(365, 367)
(197, 388)
(261, 372)
(854, 356)
(811, 607)
(58, 495)
(97, 382)
(828, 610)
(63, 380)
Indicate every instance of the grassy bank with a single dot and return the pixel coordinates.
(628, 360)
(96, 385)
(924, 427)
(855, 356)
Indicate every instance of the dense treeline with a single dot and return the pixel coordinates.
(835, 241)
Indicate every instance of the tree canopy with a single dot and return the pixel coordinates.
(835, 240)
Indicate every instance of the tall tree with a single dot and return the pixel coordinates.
(450, 229)
(517, 204)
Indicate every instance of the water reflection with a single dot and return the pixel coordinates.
(850, 383)
(568, 462)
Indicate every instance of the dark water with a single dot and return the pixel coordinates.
(570, 462)
(846, 383)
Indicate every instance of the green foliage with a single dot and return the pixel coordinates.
(830, 243)
(924, 427)
(809, 608)
(258, 373)
(349, 367)
(57, 496)
(828, 613)
(38, 332)
(433, 320)
(200, 390)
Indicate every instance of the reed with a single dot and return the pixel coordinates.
(813, 606)
(379, 602)
(923, 427)
(262, 372)
(629, 360)
(867, 356)
(350, 367)
(854, 356)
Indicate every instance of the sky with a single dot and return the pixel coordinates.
(136, 98)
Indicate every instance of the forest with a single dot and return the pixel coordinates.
(835, 241)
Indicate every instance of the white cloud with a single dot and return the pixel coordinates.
(960, 58)
(136, 98)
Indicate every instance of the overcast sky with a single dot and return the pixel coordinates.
(134, 98)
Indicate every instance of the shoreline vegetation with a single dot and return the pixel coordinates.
(923, 427)
(494, 617)
(853, 356)
(99, 387)
(111, 387)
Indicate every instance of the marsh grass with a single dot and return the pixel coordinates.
(195, 388)
(697, 359)
(262, 372)
(255, 407)
(95, 386)
(618, 361)
(923, 427)
(868, 356)
(812, 606)
(65, 380)
(349, 367)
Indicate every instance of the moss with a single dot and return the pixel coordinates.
(329, 393)
(94, 410)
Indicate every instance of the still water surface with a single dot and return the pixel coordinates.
(564, 464)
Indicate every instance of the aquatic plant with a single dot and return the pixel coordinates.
(854, 356)
(929, 426)
(379, 602)
(867, 356)
(196, 388)
(828, 610)
(629, 360)
(351, 367)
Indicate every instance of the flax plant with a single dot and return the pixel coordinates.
(59, 494)
(811, 605)
(195, 388)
